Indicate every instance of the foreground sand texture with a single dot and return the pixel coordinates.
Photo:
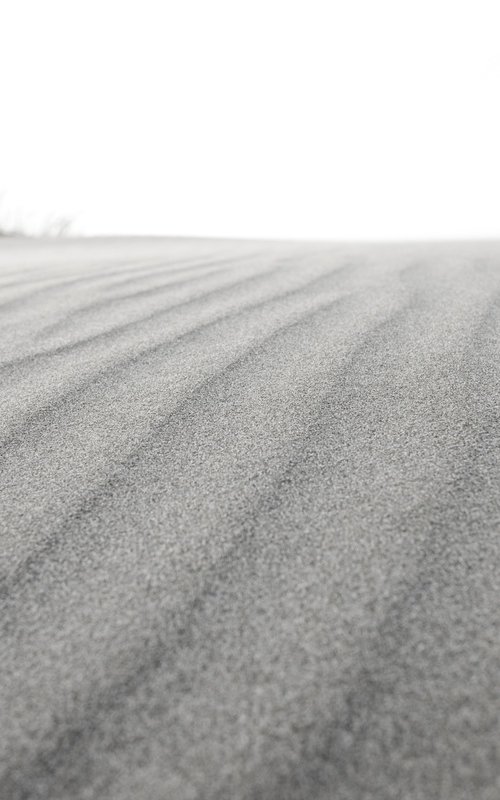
(250, 521)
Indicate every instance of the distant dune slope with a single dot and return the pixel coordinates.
(250, 520)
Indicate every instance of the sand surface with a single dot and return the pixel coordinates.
(250, 521)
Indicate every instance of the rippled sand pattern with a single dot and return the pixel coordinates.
(250, 521)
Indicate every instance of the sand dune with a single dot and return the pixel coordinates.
(250, 520)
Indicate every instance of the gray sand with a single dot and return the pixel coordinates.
(250, 520)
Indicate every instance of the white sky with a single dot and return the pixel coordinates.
(272, 118)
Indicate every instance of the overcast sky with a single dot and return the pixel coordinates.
(270, 118)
